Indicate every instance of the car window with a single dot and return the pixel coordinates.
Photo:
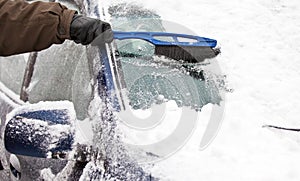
(136, 47)
(130, 17)
(12, 71)
(149, 81)
(62, 73)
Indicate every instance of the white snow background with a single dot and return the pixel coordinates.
(260, 43)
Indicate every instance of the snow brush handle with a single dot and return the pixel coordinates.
(152, 37)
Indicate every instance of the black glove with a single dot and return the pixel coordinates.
(84, 30)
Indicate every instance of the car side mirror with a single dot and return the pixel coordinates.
(44, 130)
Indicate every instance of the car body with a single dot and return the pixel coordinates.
(66, 73)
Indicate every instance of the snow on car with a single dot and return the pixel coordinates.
(67, 123)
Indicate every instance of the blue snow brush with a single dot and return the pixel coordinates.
(187, 48)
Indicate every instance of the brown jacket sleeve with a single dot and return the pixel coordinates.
(28, 27)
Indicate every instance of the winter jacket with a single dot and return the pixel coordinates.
(28, 27)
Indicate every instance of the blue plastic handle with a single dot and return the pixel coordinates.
(152, 37)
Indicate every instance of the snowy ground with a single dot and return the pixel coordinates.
(260, 43)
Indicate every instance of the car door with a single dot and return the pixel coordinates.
(11, 77)
(60, 73)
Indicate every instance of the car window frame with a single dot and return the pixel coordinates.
(28, 76)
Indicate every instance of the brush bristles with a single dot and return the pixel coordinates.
(191, 54)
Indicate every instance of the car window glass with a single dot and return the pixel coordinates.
(136, 47)
(61, 73)
(12, 71)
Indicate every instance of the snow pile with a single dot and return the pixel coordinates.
(92, 171)
(46, 127)
(111, 160)
(57, 105)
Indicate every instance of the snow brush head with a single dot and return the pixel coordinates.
(191, 49)
(190, 54)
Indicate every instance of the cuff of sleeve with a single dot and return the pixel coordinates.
(64, 27)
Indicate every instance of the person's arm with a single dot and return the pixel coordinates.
(28, 27)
